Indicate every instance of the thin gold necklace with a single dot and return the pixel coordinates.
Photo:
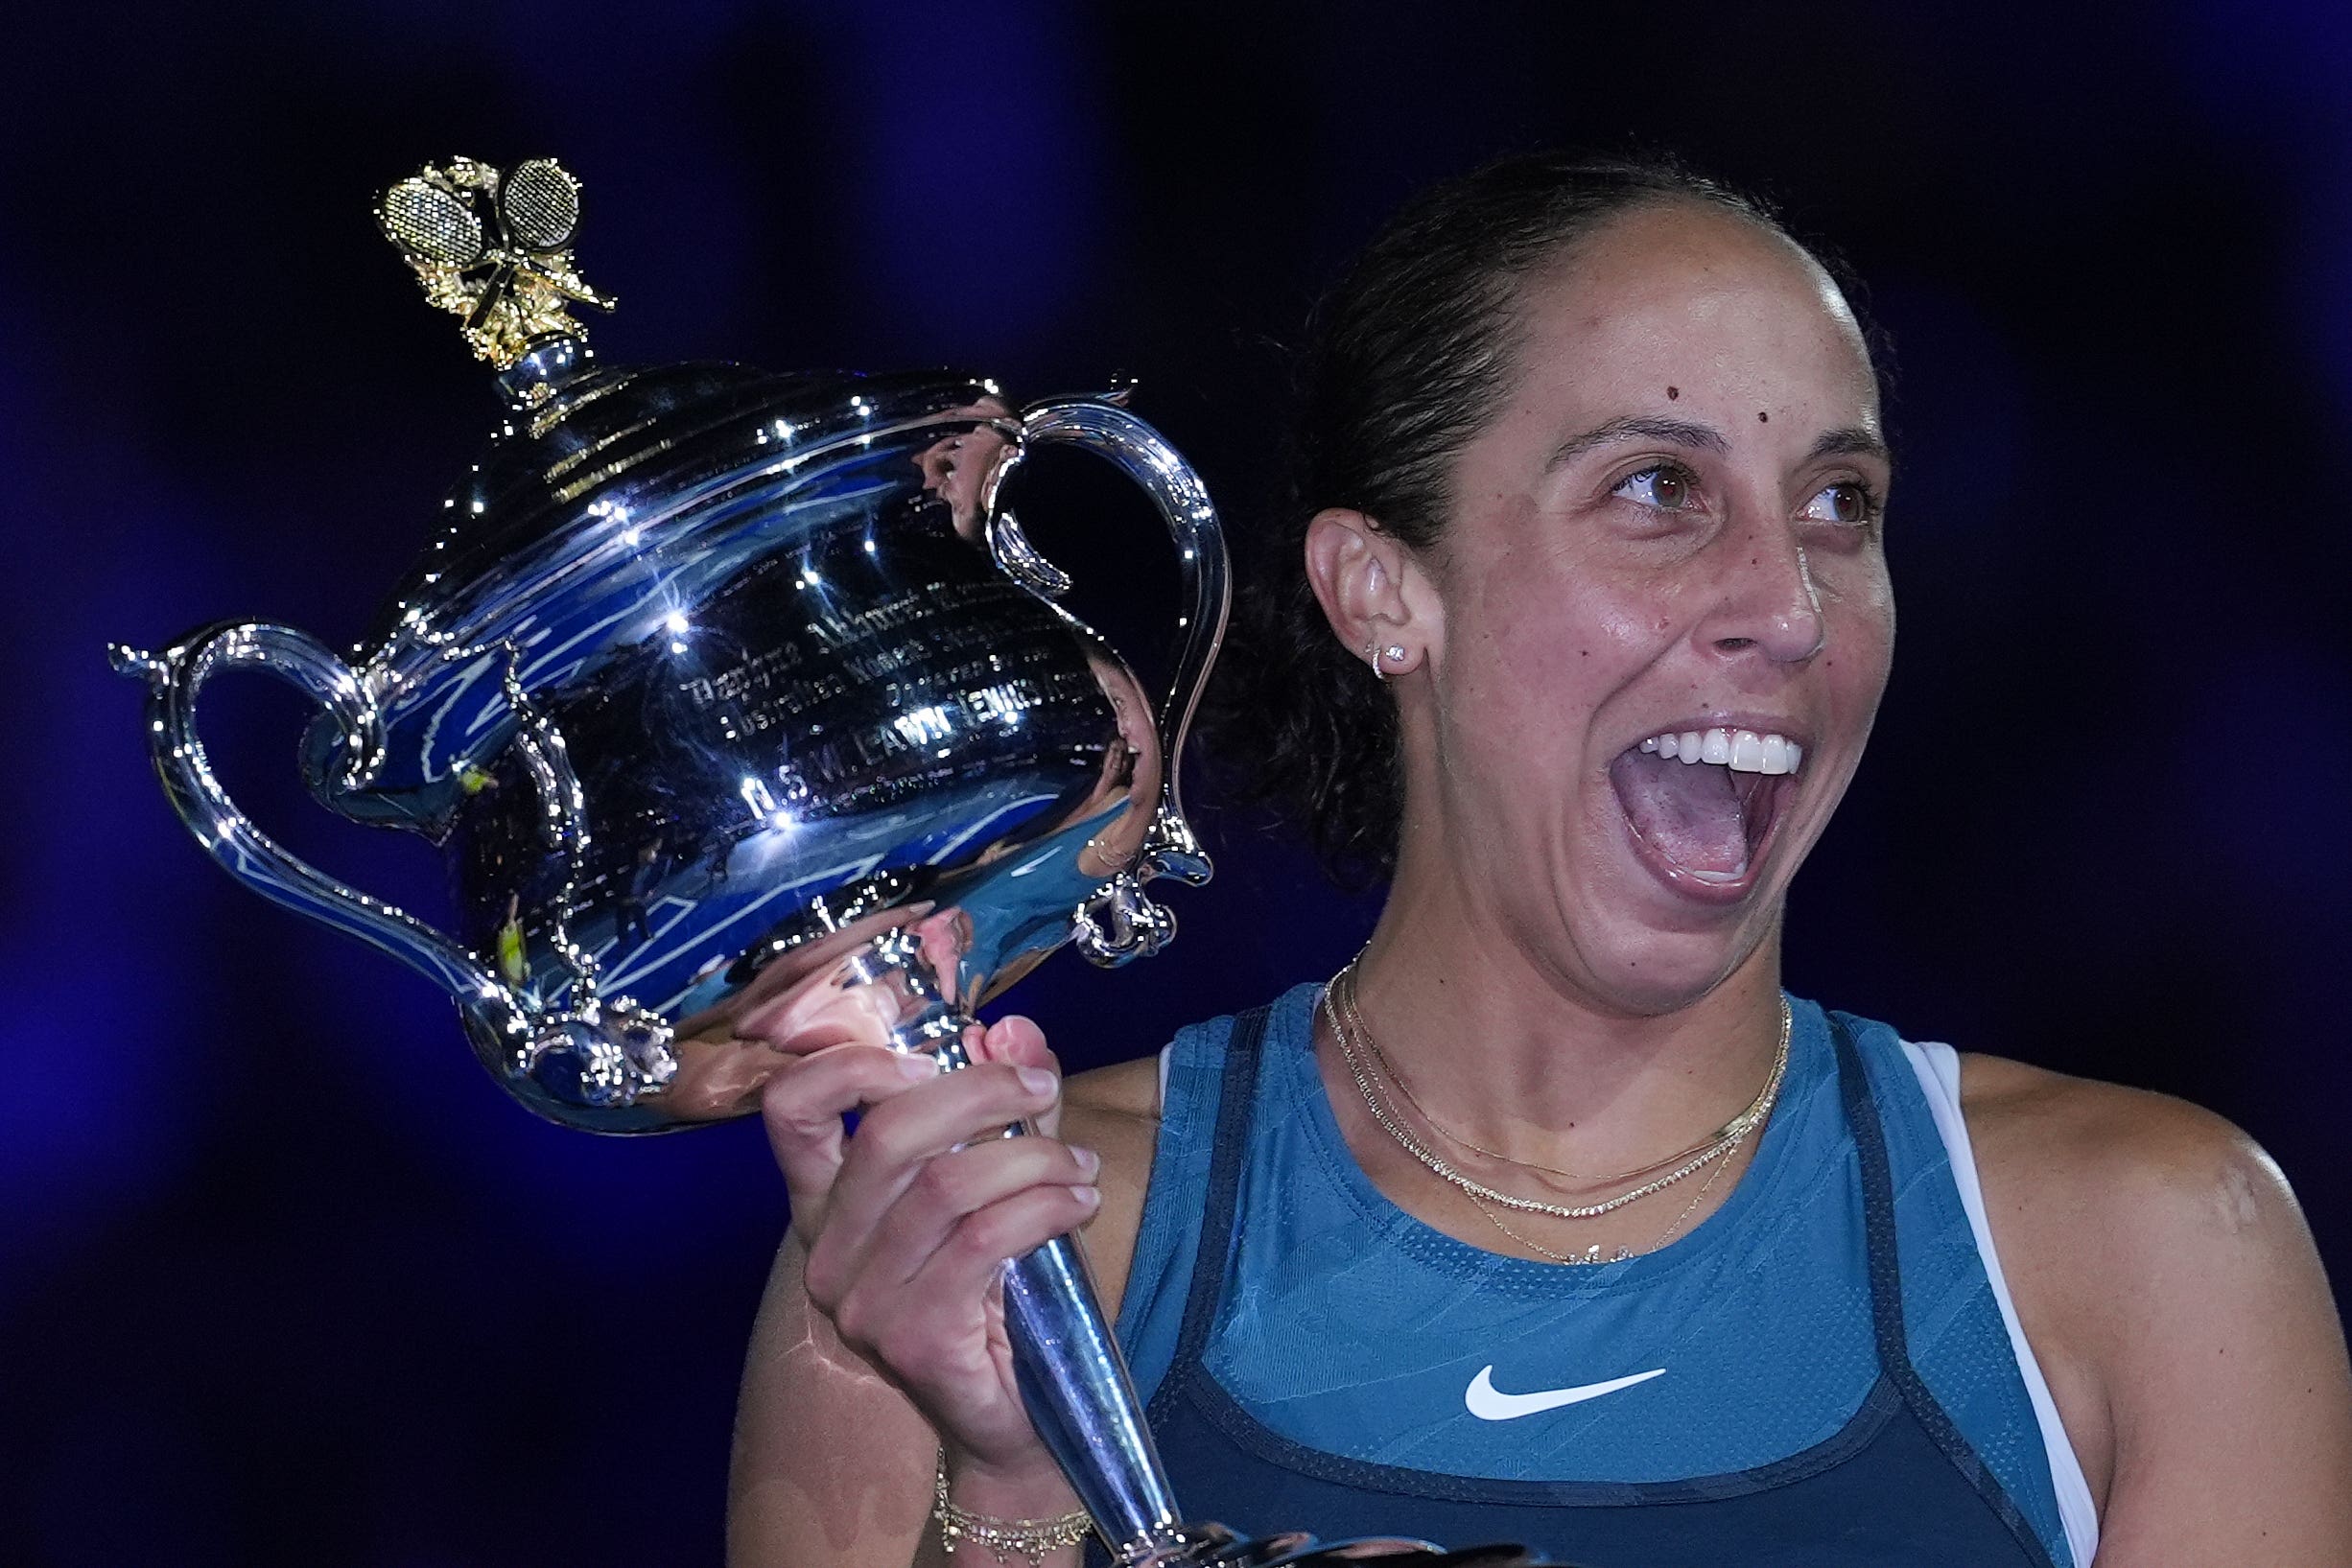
(1739, 1125)
(1388, 1070)
(1592, 1254)
(1347, 1026)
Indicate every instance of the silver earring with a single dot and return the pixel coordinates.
(1375, 653)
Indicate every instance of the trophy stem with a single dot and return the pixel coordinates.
(1073, 1379)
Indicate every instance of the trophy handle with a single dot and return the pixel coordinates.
(603, 1051)
(1119, 923)
(174, 679)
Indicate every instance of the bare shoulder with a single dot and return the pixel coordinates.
(2164, 1274)
(2154, 1143)
(2103, 1199)
(2090, 1160)
(1115, 1112)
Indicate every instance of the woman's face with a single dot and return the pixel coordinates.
(1669, 528)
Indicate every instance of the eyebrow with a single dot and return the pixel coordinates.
(1849, 441)
(1680, 433)
(1853, 441)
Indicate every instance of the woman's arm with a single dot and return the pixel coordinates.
(830, 1462)
(833, 1461)
(2169, 1286)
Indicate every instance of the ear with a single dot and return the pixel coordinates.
(1372, 591)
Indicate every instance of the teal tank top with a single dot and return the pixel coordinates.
(1824, 1359)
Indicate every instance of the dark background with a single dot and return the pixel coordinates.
(284, 1278)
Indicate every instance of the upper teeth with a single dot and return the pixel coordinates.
(1742, 751)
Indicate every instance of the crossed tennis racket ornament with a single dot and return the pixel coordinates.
(493, 249)
(723, 690)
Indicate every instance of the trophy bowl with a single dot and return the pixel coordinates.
(708, 664)
(721, 689)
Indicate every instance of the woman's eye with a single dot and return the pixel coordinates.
(1666, 487)
(1845, 501)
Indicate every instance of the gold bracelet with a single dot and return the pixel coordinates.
(1033, 1538)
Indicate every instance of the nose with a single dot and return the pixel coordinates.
(1768, 602)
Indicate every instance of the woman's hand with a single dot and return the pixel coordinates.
(907, 1223)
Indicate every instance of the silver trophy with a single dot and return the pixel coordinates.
(726, 690)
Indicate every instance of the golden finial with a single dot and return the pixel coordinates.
(496, 250)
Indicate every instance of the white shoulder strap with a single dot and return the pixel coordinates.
(1937, 1068)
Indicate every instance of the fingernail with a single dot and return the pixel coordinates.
(1087, 1196)
(1037, 1080)
(918, 1065)
(1089, 1160)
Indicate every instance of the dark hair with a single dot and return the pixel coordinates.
(1406, 356)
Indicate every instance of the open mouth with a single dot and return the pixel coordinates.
(1706, 801)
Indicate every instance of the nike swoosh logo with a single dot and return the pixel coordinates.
(1490, 1404)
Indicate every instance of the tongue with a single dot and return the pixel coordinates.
(1690, 811)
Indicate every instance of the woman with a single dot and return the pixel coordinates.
(1550, 1218)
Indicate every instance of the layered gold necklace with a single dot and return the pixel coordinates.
(1361, 1053)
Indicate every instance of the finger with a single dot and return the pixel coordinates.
(899, 1135)
(803, 1105)
(910, 1319)
(1015, 1039)
(1018, 1041)
(953, 1186)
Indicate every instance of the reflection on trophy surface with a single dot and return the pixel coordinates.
(738, 697)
